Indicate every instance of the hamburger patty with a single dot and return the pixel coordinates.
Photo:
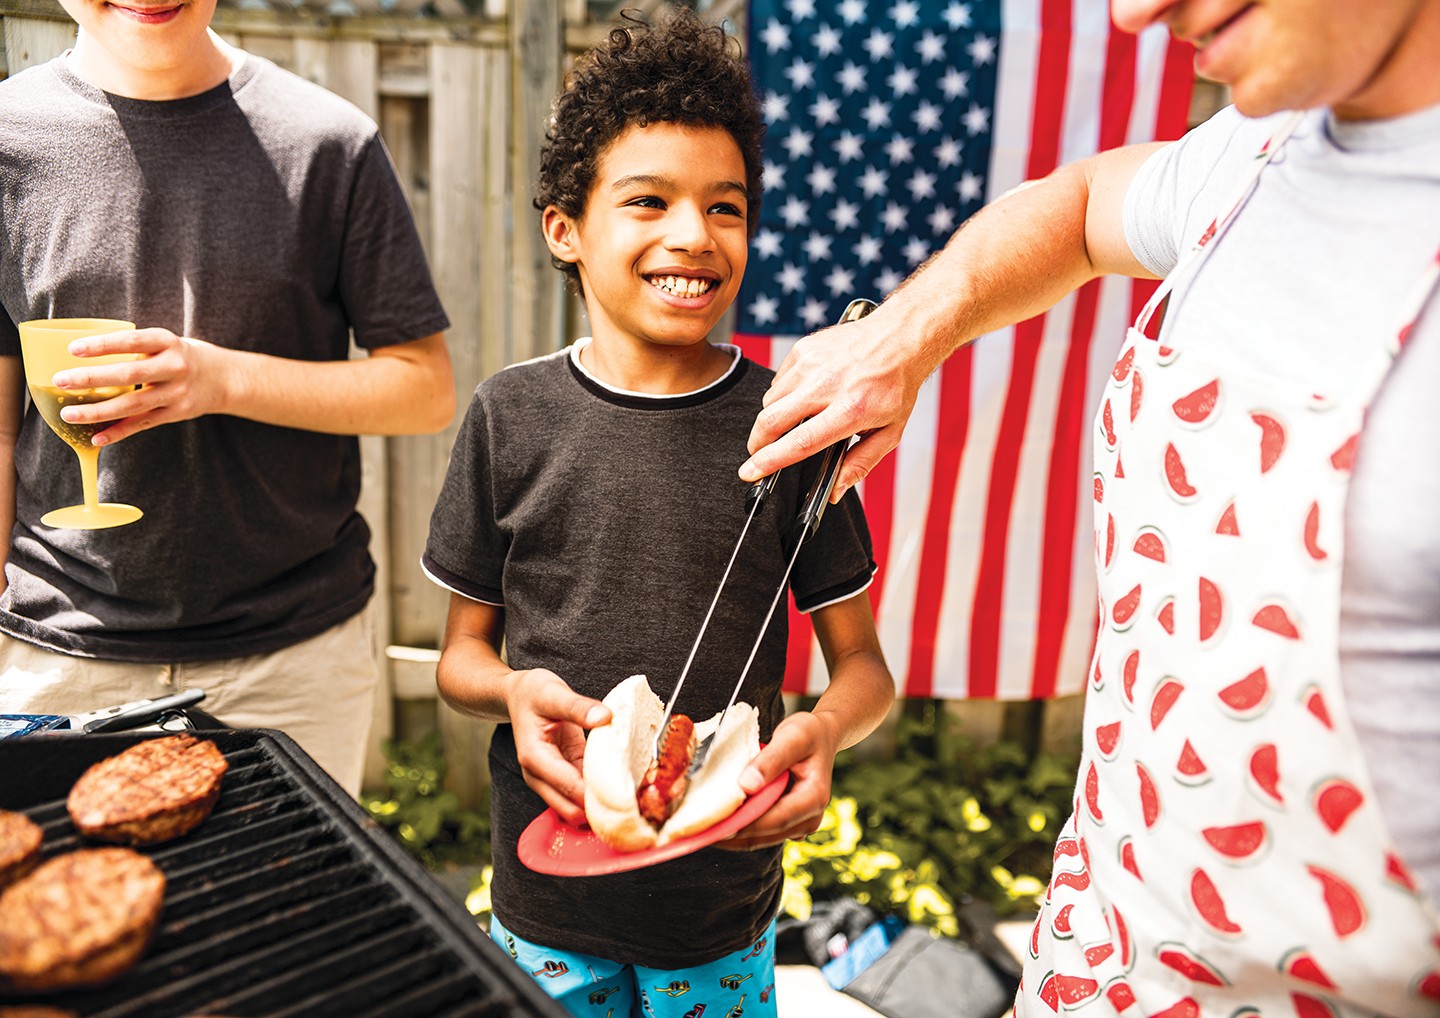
(81, 919)
(154, 791)
(20, 839)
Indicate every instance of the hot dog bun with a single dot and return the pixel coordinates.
(618, 754)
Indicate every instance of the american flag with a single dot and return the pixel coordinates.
(888, 123)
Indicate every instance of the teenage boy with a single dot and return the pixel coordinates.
(249, 222)
(589, 511)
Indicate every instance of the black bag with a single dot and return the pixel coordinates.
(922, 975)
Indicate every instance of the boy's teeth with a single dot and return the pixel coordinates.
(681, 286)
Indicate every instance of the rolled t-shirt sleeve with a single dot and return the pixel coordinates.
(1183, 186)
(838, 561)
(466, 548)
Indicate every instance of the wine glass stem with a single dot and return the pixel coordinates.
(89, 474)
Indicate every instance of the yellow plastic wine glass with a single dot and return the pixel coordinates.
(45, 346)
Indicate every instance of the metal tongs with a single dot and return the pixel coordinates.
(806, 523)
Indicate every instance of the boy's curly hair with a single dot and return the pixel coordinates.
(680, 70)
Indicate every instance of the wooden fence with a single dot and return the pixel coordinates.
(460, 91)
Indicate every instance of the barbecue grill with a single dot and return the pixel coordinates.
(287, 900)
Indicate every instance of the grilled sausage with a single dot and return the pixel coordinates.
(665, 782)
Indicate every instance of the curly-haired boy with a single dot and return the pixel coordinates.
(588, 513)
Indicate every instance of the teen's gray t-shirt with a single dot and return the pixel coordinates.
(1320, 261)
(602, 521)
(262, 215)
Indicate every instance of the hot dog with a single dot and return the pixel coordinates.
(633, 802)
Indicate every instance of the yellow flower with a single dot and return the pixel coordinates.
(1037, 821)
(477, 901)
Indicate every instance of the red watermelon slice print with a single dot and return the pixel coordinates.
(1119, 467)
(1129, 672)
(1196, 408)
(1334, 800)
(1397, 872)
(1150, 543)
(1307, 1006)
(1190, 769)
(1238, 843)
(1343, 458)
(1248, 698)
(1227, 523)
(1096, 954)
(1092, 795)
(1176, 482)
(1312, 534)
(1347, 909)
(1127, 857)
(1209, 906)
(1272, 439)
(1165, 696)
(1428, 985)
(1315, 703)
(1123, 614)
(1122, 939)
(1122, 366)
(1298, 964)
(1107, 740)
(1276, 619)
(1061, 923)
(1189, 964)
(1265, 773)
(1166, 615)
(1075, 990)
(1149, 796)
(1212, 609)
(1109, 540)
(1137, 394)
(1184, 1008)
(1107, 425)
(1050, 992)
(1119, 994)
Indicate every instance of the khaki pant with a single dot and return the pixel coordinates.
(320, 692)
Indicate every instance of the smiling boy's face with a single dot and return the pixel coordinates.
(147, 49)
(662, 243)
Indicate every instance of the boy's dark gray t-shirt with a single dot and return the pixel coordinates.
(603, 521)
(262, 215)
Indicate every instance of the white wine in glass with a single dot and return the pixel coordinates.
(45, 345)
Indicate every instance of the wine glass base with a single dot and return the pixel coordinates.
(91, 517)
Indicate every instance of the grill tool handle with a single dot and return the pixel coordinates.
(818, 497)
(761, 489)
(145, 713)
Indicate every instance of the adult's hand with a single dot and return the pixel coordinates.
(851, 379)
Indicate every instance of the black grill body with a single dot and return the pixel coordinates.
(287, 900)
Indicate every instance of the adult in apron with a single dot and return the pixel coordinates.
(1226, 855)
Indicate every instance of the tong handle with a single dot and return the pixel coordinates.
(818, 497)
(761, 489)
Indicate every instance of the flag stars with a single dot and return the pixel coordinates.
(903, 80)
(876, 114)
(814, 313)
(957, 16)
(916, 251)
(867, 250)
(775, 107)
(775, 36)
(772, 176)
(982, 50)
(849, 146)
(905, 14)
(840, 280)
(817, 247)
(880, 45)
(976, 119)
(801, 74)
(948, 152)
(888, 280)
(827, 41)
(767, 243)
(900, 149)
(764, 309)
(926, 117)
(955, 84)
(874, 181)
(931, 47)
(821, 179)
(802, 9)
(942, 219)
(791, 278)
(971, 187)
(845, 215)
(921, 185)
(795, 212)
(851, 78)
(853, 11)
(798, 143)
(895, 217)
(825, 110)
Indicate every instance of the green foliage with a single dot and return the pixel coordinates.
(942, 822)
(427, 820)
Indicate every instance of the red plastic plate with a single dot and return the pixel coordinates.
(550, 845)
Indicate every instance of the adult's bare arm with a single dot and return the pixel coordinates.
(12, 409)
(407, 388)
(1012, 260)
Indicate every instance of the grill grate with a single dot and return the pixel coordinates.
(288, 900)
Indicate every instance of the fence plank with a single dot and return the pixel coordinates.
(31, 41)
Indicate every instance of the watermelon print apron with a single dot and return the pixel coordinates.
(1226, 856)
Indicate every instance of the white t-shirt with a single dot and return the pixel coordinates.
(1322, 258)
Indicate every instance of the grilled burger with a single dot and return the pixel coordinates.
(81, 919)
(154, 791)
(20, 839)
